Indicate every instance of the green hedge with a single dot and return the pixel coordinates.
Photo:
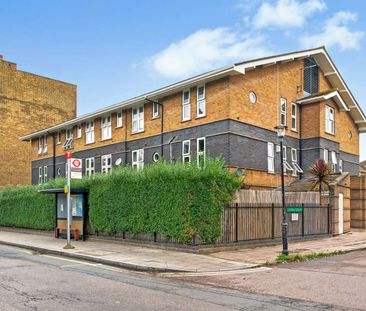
(24, 207)
(175, 200)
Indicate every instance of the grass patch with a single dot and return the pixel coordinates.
(297, 257)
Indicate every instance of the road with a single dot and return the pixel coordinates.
(39, 282)
(338, 280)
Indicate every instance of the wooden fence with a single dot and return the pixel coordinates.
(248, 222)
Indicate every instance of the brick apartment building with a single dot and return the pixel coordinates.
(230, 112)
(28, 103)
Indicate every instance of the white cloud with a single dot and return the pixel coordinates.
(336, 33)
(204, 50)
(286, 13)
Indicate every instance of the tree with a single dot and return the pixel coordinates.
(320, 172)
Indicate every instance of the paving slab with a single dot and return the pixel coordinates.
(123, 255)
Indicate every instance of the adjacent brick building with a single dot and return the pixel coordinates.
(230, 112)
(28, 103)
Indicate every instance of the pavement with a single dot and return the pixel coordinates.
(142, 258)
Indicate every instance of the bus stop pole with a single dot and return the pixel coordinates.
(69, 213)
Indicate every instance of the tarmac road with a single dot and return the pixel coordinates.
(39, 282)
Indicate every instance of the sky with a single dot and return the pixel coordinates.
(117, 49)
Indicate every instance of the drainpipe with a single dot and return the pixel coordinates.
(300, 143)
(53, 154)
(126, 120)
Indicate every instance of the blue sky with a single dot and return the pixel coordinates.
(114, 50)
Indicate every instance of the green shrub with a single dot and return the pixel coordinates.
(175, 200)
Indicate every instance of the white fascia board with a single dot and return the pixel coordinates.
(337, 98)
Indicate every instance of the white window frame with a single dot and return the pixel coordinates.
(201, 153)
(119, 119)
(40, 145)
(270, 157)
(69, 133)
(186, 156)
(106, 167)
(326, 155)
(138, 119)
(329, 120)
(293, 117)
(334, 161)
(138, 159)
(106, 127)
(78, 131)
(89, 132)
(45, 174)
(284, 153)
(340, 167)
(58, 137)
(40, 175)
(89, 166)
(186, 106)
(294, 160)
(283, 112)
(45, 144)
(201, 102)
(155, 110)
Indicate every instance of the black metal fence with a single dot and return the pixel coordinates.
(249, 222)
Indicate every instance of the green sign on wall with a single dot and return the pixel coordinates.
(295, 209)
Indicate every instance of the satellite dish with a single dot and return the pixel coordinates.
(118, 162)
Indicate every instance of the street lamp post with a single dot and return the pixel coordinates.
(284, 226)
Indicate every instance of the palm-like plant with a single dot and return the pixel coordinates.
(320, 172)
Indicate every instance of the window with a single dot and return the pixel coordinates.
(334, 162)
(293, 117)
(119, 119)
(286, 165)
(45, 145)
(329, 120)
(156, 157)
(106, 127)
(89, 132)
(201, 151)
(45, 174)
(138, 119)
(186, 151)
(40, 145)
(69, 140)
(270, 159)
(78, 131)
(40, 175)
(283, 111)
(58, 138)
(89, 166)
(138, 159)
(155, 110)
(106, 163)
(284, 153)
(340, 166)
(311, 76)
(297, 168)
(201, 101)
(326, 155)
(186, 112)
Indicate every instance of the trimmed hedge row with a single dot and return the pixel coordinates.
(175, 200)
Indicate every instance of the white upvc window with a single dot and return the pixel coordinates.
(106, 127)
(186, 105)
(294, 117)
(89, 166)
(89, 132)
(106, 163)
(138, 119)
(69, 133)
(138, 159)
(45, 144)
(326, 156)
(340, 168)
(329, 120)
(40, 175)
(201, 151)
(186, 151)
(155, 109)
(45, 174)
(270, 157)
(58, 137)
(201, 101)
(294, 161)
(40, 145)
(78, 131)
(334, 161)
(119, 119)
(69, 139)
(283, 111)
(284, 153)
